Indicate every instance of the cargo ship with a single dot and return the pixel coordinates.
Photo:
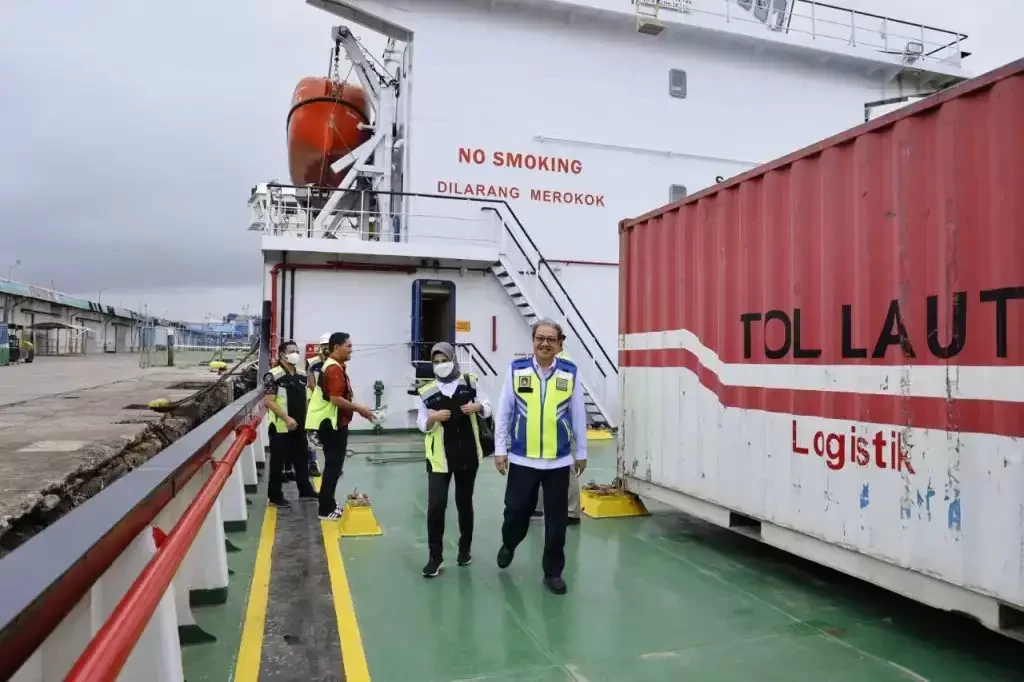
(782, 238)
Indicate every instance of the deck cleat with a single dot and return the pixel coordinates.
(605, 501)
(358, 519)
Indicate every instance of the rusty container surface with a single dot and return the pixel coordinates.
(826, 352)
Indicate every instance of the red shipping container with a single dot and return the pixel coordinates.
(828, 350)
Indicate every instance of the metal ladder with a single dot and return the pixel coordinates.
(597, 416)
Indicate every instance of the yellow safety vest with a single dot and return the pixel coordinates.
(433, 442)
(319, 407)
(541, 412)
(281, 398)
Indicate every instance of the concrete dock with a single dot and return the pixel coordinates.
(68, 428)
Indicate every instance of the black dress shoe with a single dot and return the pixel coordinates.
(504, 557)
(573, 521)
(556, 585)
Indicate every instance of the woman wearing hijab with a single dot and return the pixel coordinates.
(449, 409)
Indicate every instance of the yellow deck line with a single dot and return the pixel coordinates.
(247, 667)
(353, 657)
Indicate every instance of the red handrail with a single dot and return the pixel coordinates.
(106, 654)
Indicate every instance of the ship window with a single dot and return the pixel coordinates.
(677, 83)
(676, 192)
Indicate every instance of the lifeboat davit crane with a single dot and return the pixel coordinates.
(341, 140)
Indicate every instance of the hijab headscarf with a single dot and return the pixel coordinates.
(448, 351)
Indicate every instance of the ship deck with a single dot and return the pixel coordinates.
(658, 598)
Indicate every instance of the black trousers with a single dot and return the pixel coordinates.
(312, 459)
(437, 504)
(521, 491)
(335, 445)
(289, 447)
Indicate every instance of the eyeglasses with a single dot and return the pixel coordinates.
(545, 339)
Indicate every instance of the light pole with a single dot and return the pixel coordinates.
(8, 299)
(103, 316)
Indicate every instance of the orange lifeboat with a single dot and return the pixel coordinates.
(323, 126)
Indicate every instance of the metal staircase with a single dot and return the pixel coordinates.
(536, 291)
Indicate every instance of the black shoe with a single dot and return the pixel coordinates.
(556, 585)
(573, 521)
(314, 470)
(433, 568)
(290, 475)
(280, 504)
(464, 558)
(310, 496)
(504, 557)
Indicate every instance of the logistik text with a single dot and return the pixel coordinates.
(883, 449)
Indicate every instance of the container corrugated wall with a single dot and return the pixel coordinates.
(833, 342)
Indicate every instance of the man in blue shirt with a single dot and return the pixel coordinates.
(540, 435)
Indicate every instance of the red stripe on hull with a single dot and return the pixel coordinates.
(994, 417)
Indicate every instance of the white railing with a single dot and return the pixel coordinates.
(423, 220)
(74, 575)
(826, 22)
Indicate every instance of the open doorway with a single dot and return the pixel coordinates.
(433, 320)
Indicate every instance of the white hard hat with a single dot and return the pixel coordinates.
(325, 339)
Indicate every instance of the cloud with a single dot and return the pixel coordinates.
(133, 133)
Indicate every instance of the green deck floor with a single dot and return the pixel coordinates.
(661, 598)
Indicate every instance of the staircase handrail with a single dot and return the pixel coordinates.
(477, 356)
(535, 271)
(558, 282)
(482, 362)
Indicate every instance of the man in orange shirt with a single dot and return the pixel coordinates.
(331, 419)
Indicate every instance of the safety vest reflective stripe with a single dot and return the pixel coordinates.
(541, 412)
(281, 398)
(319, 407)
(433, 441)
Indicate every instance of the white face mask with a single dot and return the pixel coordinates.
(292, 358)
(443, 369)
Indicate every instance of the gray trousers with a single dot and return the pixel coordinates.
(574, 497)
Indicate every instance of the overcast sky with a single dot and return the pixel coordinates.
(132, 131)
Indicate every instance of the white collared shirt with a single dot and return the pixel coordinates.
(503, 421)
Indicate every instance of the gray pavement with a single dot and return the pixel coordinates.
(63, 419)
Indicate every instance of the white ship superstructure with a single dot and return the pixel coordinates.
(507, 140)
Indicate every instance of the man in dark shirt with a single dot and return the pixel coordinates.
(331, 420)
(285, 398)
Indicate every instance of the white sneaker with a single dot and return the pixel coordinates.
(333, 516)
